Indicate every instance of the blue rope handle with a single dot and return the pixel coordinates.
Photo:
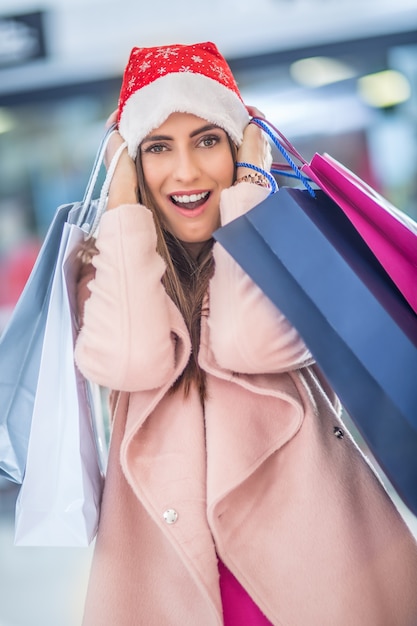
(278, 143)
(283, 172)
(265, 174)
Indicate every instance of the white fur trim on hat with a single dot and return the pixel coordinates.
(182, 92)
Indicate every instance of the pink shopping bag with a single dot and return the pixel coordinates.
(388, 232)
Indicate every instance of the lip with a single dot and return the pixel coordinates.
(190, 213)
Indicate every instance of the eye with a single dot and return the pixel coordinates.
(155, 148)
(209, 141)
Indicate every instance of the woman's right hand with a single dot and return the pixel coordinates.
(124, 184)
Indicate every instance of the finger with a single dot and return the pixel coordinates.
(255, 112)
(112, 119)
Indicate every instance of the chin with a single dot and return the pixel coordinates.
(197, 237)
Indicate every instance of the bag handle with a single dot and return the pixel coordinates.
(288, 151)
(105, 188)
(98, 162)
(90, 229)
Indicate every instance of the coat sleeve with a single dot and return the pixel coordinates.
(127, 339)
(248, 334)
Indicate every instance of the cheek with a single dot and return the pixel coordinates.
(225, 169)
(150, 176)
(153, 174)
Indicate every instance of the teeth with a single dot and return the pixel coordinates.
(195, 197)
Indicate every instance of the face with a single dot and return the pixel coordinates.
(186, 163)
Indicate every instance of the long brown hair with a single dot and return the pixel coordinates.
(186, 280)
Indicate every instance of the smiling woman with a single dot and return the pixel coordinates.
(186, 165)
(228, 498)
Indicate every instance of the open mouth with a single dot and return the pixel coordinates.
(190, 202)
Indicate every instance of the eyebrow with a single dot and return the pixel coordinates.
(203, 129)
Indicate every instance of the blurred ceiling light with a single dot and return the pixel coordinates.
(320, 71)
(7, 121)
(384, 89)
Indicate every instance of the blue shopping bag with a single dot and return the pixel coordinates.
(311, 262)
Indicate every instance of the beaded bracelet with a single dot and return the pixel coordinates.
(264, 173)
(256, 179)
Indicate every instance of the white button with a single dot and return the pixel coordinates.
(170, 516)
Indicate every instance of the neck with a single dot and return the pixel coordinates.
(193, 248)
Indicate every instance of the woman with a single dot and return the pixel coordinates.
(233, 494)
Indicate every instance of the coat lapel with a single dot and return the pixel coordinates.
(246, 421)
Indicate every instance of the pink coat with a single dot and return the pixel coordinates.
(259, 478)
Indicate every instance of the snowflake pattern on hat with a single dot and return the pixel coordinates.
(149, 64)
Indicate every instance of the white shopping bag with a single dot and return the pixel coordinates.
(22, 340)
(58, 503)
(20, 354)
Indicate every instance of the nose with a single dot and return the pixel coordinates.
(186, 168)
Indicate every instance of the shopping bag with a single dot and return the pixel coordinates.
(389, 232)
(308, 258)
(21, 341)
(20, 353)
(59, 501)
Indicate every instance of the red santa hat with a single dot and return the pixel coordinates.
(178, 78)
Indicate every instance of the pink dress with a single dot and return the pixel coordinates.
(238, 606)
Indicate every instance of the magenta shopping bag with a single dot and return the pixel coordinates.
(391, 235)
(388, 232)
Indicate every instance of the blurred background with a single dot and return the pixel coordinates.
(334, 75)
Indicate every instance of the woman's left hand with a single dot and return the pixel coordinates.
(255, 148)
